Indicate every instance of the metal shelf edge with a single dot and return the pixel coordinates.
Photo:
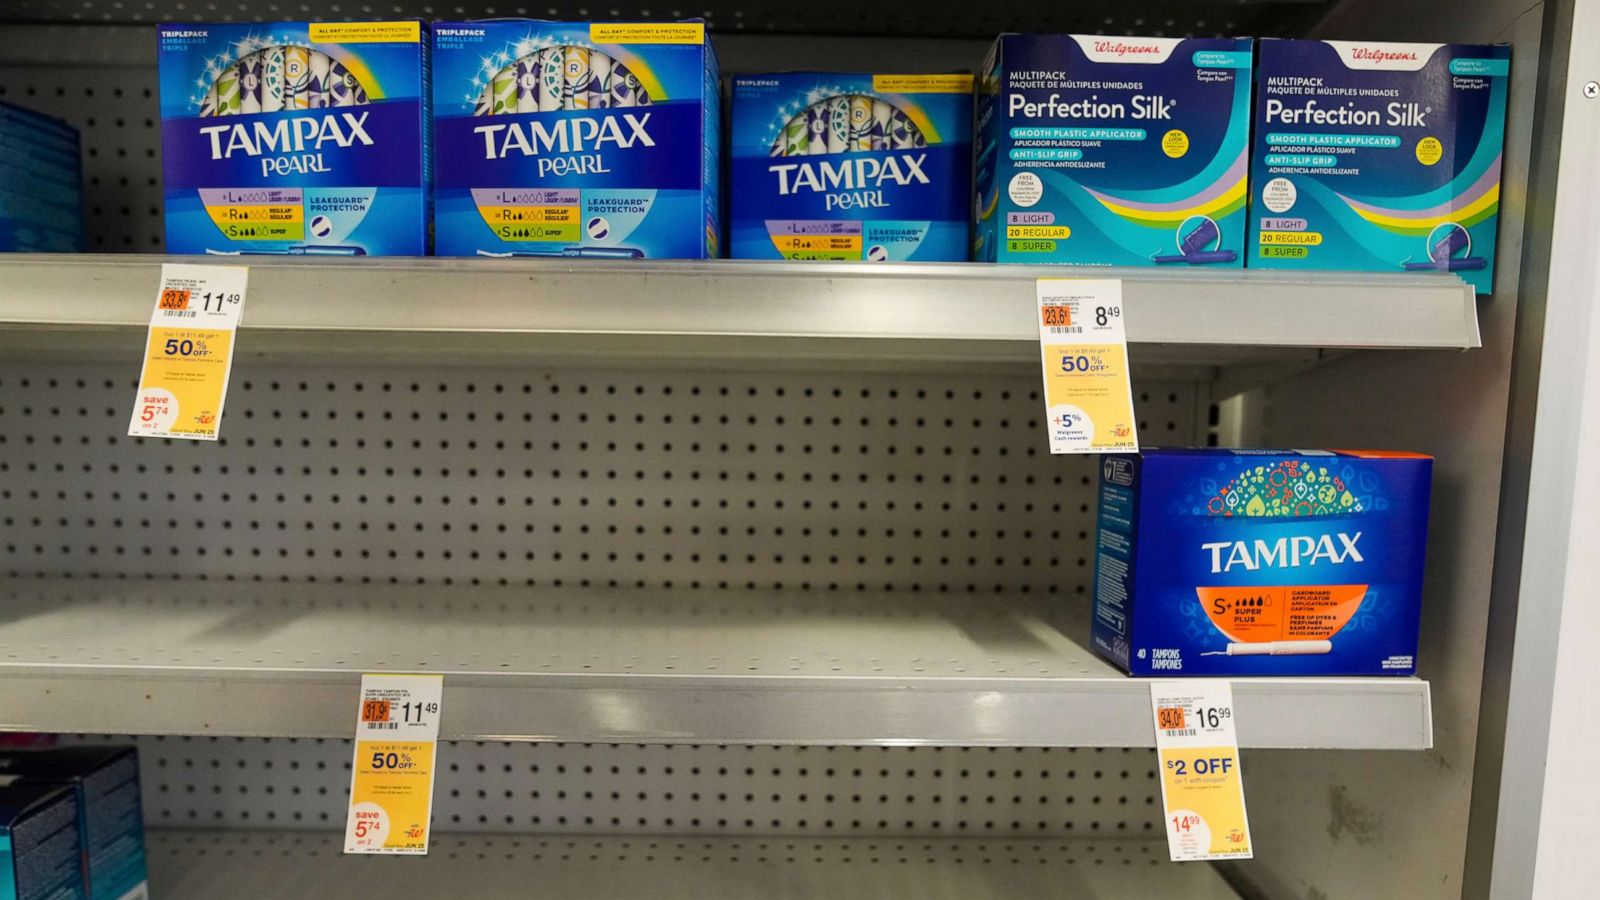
(756, 300)
(1311, 713)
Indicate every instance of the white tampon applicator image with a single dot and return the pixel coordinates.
(1275, 648)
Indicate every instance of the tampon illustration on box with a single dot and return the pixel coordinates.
(1199, 245)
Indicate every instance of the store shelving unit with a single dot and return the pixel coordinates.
(596, 665)
(747, 579)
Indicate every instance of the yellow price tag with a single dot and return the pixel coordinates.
(391, 780)
(1088, 397)
(1202, 789)
(188, 352)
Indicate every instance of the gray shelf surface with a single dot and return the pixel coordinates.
(681, 308)
(774, 667)
(198, 865)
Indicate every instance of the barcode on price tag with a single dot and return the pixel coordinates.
(391, 780)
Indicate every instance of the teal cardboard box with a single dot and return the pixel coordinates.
(104, 783)
(41, 853)
(1378, 157)
(1113, 151)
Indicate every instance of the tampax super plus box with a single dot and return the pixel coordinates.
(850, 167)
(295, 138)
(41, 184)
(574, 139)
(41, 856)
(1379, 157)
(1112, 151)
(1261, 562)
(105, 783)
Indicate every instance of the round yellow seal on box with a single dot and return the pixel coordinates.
(1174, 143)
(1429, 151)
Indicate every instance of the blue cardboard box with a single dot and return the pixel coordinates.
(851, 167)
(574, 139)
(306, 139)
(40, 849)
(41, 184)
(105, 784)
(1261, 562)
(1378, 157)
(1113, 151)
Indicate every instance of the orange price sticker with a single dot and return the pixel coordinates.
(174, 298)
(1170, 717)
(1055, 316)
(375, 710)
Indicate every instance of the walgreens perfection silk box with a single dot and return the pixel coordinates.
(1378, 157)
(851, 167)
(1113, 151)
(572, 139)
(1261, 562)
(297, 138)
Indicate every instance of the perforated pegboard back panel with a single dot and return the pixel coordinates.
(212, 783)
(731, 482)
(714, 481)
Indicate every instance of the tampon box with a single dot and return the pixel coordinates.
(577, 140)
(41, 184)
(837, 166)
(41, 855)
(295, 138)
(1378, 157)
(1112, 151)
(105, 783)
(1260, 562)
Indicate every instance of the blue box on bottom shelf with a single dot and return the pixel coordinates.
(41, 851)
(105, 785)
